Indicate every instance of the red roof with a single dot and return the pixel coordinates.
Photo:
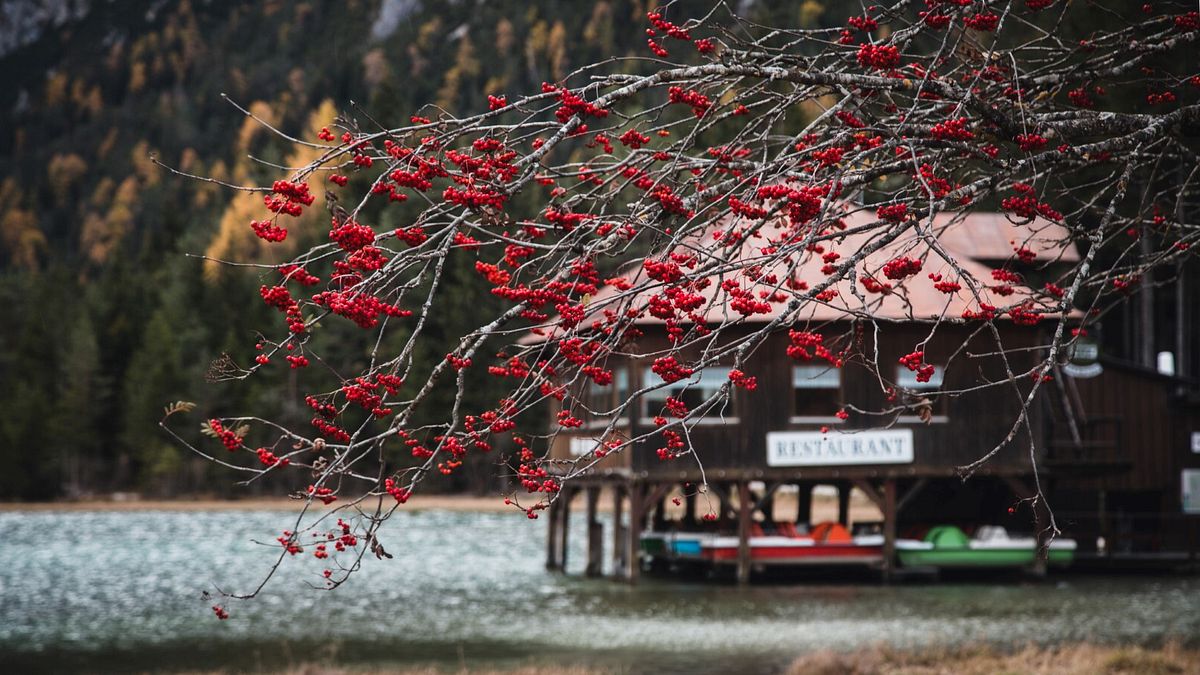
(968, 239)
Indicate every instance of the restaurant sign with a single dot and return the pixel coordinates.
(813, 448)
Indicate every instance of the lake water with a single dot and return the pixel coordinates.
(111, 591)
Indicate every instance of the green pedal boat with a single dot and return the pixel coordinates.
(948, 546)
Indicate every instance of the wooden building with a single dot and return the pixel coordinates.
(1111, 443)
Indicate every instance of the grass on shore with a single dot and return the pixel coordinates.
(1075, 659)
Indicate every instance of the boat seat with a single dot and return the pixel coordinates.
(788, 529)
(831, 533)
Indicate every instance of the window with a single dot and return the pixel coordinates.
(816, 392)
(604, 399)
(692, 391)
(907, 379)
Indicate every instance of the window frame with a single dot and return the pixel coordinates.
(593, 392)
(714, 417)
(906, 379)
(820, 370)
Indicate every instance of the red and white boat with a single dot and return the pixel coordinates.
(826, 543)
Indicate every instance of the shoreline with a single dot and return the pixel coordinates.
(1073, 658)
(823, 507)
(492, 504)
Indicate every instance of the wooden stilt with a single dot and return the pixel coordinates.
(804, 503)
(564, 527)
(889, 528)
(766, 503)
(689, 514)
(633, 538)
(844, 503)
(595, 550)
(552, 562)
(744, 513)
(618, 542)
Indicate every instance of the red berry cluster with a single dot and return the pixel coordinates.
(633, 139)
(572, 104)
(894, 213)
(872, 285)
(298, 273)
(1081, 98)
(288, 541)
(674, 448)
(662, 25)
(984, 21)
(699, 102)
(362, 308)
(901, 267)
(879, 57)
(291, 199)
(956, 129)
(829, 156)
(935, 20)
(747, 382)
(1027, 205)
(1031, 142)
(914, 361)
(413, 236)
(670, 370)
(228, 437)
(806, 344)
(323, 493)
(474, 198)
(944, 286)
(862, 23)
(565, 419)
(1188, 22)
(1025, 315)
(1155, 99)
(351, 236)
(398, 493)
(268, 230)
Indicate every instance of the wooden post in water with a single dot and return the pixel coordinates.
(618, 542)
(552, 538)
(744, 507)
(633, 538)
(564, 526)
(595, 549)
(889, 528)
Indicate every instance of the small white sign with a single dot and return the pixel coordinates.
(813, 448)
(1196, 441)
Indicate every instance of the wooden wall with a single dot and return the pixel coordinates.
(975, 422)
(1152, 418)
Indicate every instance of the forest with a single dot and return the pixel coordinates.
(110, 319)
